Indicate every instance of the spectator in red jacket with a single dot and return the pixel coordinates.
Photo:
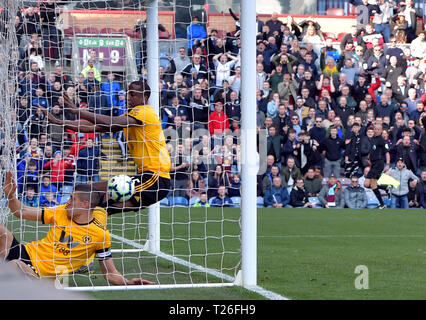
(218, 120)
(57, 167)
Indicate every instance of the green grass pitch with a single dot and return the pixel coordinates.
(302, 253)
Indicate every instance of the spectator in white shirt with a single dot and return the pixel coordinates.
(223, 67)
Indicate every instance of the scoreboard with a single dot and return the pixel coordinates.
(111, 50)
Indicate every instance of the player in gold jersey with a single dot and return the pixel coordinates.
(145, 140)
(78, 232)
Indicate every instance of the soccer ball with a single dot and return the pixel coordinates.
(121, 188)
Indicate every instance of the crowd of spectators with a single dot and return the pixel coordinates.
(316, 100)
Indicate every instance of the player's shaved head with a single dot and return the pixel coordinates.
(140, 87)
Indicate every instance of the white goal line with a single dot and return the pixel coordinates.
(231, 281)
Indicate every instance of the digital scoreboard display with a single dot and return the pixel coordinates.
(111, 50)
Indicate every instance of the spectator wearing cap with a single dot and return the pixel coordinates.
(399, 196)
(331, 194)
(121, 106)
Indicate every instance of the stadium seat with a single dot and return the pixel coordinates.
(178, 202)
(340, 36)
(221, 34)
(130, 33)
(193, 201)
(330, 35)
(108, 31)
(236, 201)
(71, 31)
(90, 30)
(260, 202)
(164, 202)
(345, 182)
(335, 12)
(163, 34)
(352, 10)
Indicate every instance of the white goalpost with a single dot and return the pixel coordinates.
(175, 245)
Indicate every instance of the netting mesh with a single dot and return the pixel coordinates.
(91, 52)
(8, 94)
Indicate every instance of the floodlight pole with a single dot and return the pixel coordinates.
(154, 102)
(248, 145)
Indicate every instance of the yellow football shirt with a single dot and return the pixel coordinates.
(68, 245)
(147, 143)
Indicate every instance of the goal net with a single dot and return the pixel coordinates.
(91, 51)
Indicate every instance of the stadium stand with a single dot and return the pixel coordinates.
(306, 88)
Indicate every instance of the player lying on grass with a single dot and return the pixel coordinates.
(145, 140)
(78, 232)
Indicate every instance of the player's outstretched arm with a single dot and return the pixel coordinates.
(102, 122)
(84, 126)
(17, 208)
(113, 276)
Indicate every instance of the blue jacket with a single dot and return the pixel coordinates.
(44, 190)
(218, 202)
(110, 91)
(41, 101)
(195, 32)
(88, 161)
(276, 195)
(355, 197)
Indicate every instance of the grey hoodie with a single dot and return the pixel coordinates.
(402, 176)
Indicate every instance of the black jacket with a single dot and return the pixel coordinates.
(298, 197)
